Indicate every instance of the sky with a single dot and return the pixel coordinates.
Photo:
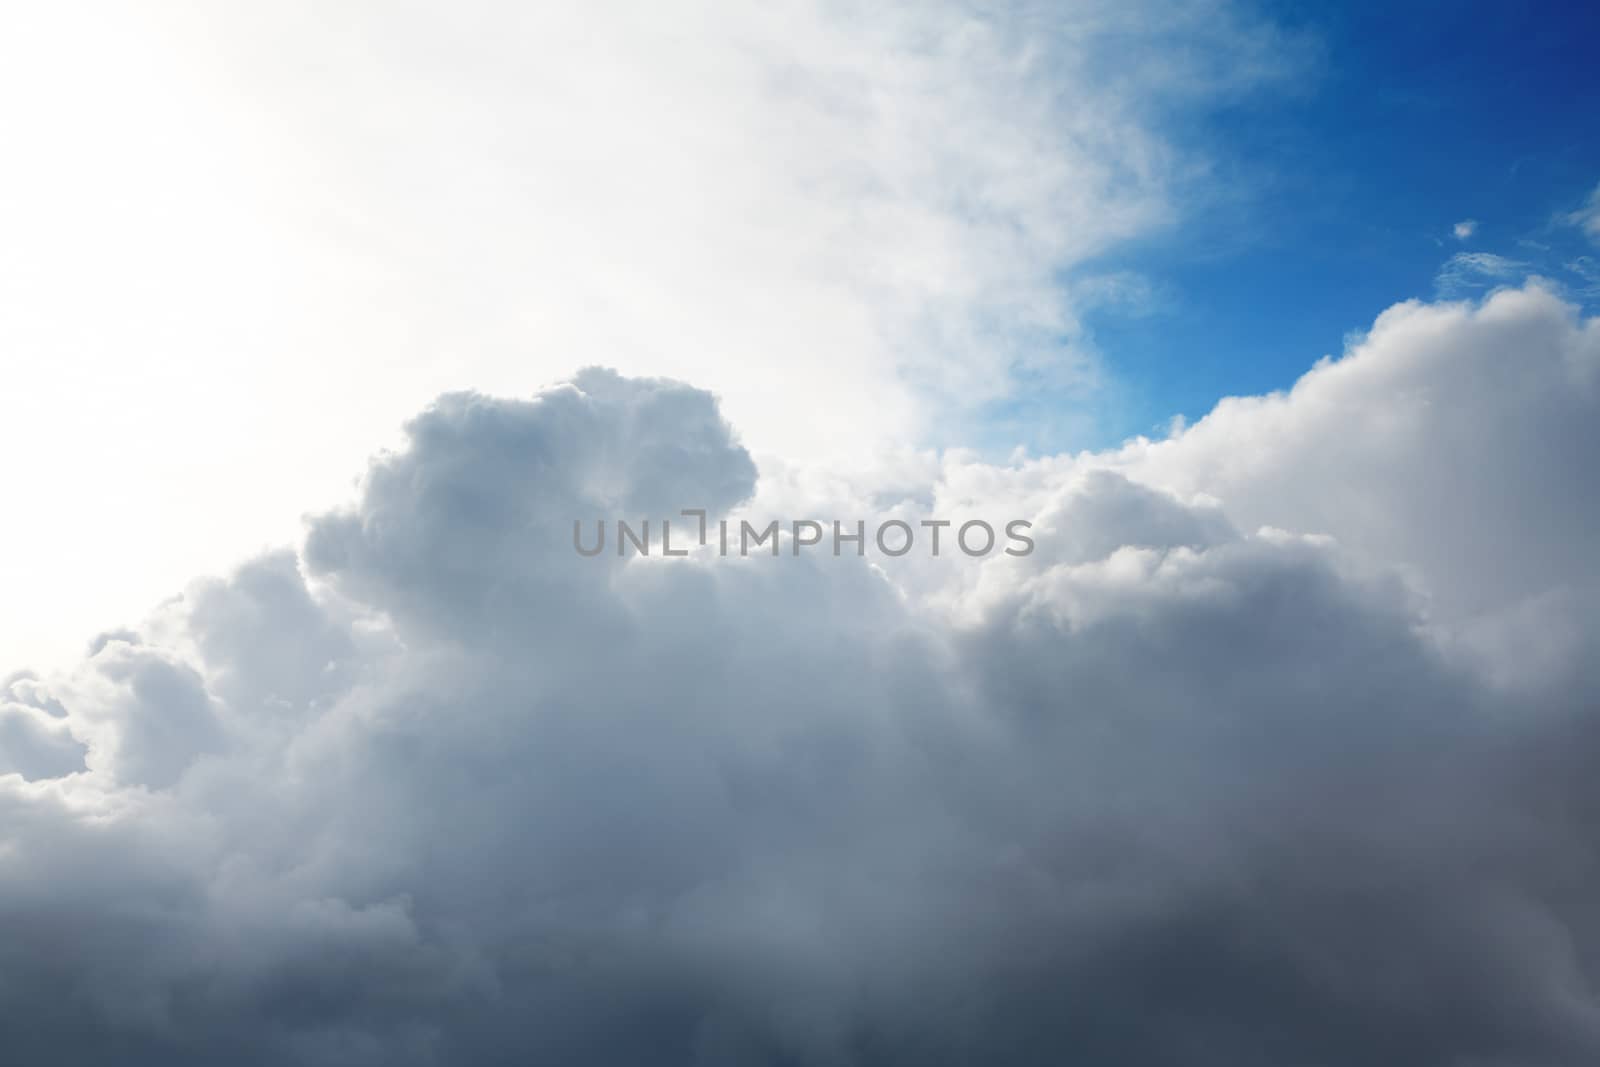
(320, 324)
(1341, 193)
(230, 224)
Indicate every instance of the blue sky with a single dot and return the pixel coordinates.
(1337, 193)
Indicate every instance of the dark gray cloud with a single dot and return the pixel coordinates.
(1176, 790)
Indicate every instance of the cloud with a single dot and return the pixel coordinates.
(1587, 217)
(1464, 229)
(35, 745)
(1278, 749)
(1586, 275)
(855, 222)
(1467, 272)
(1389, 449)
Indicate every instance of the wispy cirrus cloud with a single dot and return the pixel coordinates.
(1467, 272)
(1587, 217)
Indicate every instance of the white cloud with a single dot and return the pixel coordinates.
(1424, 446)
(844, 218)
(1465, 229)
(1250, 756)
(1587, 217)
(1466, 273)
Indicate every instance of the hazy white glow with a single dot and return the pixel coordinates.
(238, 245)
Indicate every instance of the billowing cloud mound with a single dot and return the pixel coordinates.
(1275, 751)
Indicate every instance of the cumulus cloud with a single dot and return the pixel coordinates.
(34, 745)
(1465, 229)
(1447, 434)
(1278, 749)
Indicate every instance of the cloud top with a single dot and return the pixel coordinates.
(1276, 750)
